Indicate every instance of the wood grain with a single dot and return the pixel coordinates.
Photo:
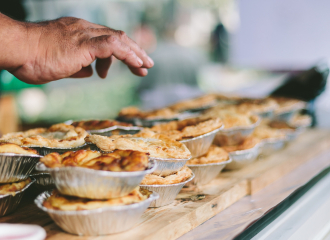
(194, 205)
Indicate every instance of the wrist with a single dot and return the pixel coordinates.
(14, 45)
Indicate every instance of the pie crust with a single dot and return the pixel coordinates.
(189, 128)
(116, 161)
(99, 124)
(257, 106)
(61, 202)
(14, 148)
(134, 112)
(248, 143)
(157, 145)
(200, 102)
(183, 175)
(214, 155)
(266, 132)
(12, 188)
(57, 136)
(288, 104)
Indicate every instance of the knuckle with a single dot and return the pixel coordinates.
(121, 34)
(111, 39)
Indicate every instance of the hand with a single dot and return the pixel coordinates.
(67, 46)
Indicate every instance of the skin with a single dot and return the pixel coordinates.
(38, 53)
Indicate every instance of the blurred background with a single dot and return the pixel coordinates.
(229, 46)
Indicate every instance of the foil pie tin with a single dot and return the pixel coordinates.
(266, 114)
(16, 167)
(288, 114)
(271, 145)
(44, 181)
(95, 184)
(46, 150)
(167, 193)
(96, 222)
(168, 166)
(243, 158)
(9, 203)
(235, 135)
(205, 173)
(200, 145)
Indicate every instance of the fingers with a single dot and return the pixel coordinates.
(106, 45)
(139, 71)
(102, 66)
(98, 30)
(84, 72)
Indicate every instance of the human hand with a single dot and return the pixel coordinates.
(67, 46)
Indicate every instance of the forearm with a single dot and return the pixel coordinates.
(14, 45)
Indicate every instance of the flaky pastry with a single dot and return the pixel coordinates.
(214, 155)
(14, 148)
(99, 124)
(281, 125)
(183, 175)
(57, 136)
(134, 112)
(301, 120)
(12, 188)
(189, 128)
(116, 161)
(203, 101)
(287, 104)
(256, 105)
(61, 202)
(158, 146)
(248, 143)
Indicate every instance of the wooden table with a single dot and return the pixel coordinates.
(194, 205)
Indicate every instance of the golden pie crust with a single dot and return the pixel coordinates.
(281, 125)
(301, 120)
(214, 155)
(157, 145)
(62, 202)
(116, 161)
(57, 136)
(99, 124)
(14, 148)
(203, 101)
(134, 112)
(181, 176)
(189, 128)
(266, 132)
(12, 188)
(248, 143)
(287, 104)
(256, 106)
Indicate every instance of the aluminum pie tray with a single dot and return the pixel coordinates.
(271, 145)
(200, 145)
(121, 130)
(266, 114)
(243, 158)
(46, 150)
(9, 203)
(205, 173)
(95, 184)
(168, 166)
(288, 114)
(16, 167)
(44, 181)
(234, 136)
(291, 135)
(154, 121)
(167, 193)
(96, 222)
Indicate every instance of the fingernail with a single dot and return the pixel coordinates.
(145, 71)
(140, 61)
(151, 61)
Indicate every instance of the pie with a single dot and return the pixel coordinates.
(189, 128)
(266, 132)
(288, 104)
(14, 148)
(280, 125)
(231, 117)
(200, 102)
(62, 202)
(301, 120)
(116, 161)
(157, 145)
(134, 112)
(248, 143)
(57, 136)
(214, 155)
(12, 188)
(99, 124)
(256, 106)
(181, 176)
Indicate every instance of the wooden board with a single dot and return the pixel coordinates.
(193, 205)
